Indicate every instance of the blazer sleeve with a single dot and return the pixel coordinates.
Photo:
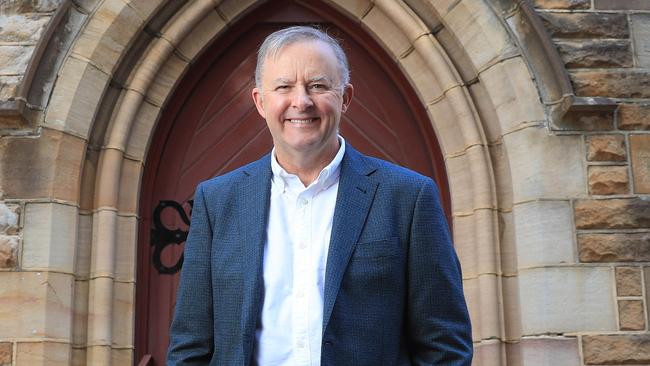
(191, 333)
(438, 322)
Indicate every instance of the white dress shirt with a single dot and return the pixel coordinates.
(295, 255)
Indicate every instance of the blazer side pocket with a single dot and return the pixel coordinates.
(377, 249)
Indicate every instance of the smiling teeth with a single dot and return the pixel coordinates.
(301, 121)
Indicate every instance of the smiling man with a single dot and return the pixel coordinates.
(316, 254)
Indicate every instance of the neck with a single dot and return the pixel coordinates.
(306, 166)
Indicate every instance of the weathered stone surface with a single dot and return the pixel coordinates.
(640, 24)
(562, 4)
(615, 84)
(622, 4)
(606, 148)
(628, 281)
(606, 180)
(8, 251)
(624, 349)
(545, 351)
(22, 6)
(14, 59)
(640, 157)
(5, 353)
(634, 117)
(8, 219)
(585, 25)
(9, 87)
(596, 53)
(587, 121)
(628, 247)
(623, 213)
(630, 315)
(43, 353)
(54, 161)
(24, 29)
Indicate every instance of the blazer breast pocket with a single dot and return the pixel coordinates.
(377, 249)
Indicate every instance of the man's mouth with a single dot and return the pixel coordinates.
(302, 121)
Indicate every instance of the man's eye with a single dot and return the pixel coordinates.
(318, 87)
(282, 87)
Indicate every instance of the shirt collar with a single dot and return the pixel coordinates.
(326, 177)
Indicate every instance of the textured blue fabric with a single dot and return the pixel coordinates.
(393, 290)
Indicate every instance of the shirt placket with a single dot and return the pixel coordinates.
(301, 280)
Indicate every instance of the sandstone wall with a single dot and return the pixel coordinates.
(605, 45)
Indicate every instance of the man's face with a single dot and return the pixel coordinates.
(301, 99)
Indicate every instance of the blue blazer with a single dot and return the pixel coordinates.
(393, 290)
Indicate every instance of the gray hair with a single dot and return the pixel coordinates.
(274, 43)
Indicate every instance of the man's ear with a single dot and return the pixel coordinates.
(259, 102)
(348, 92)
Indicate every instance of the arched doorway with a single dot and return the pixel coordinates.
(210, 126)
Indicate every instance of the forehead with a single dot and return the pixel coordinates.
(312, 57)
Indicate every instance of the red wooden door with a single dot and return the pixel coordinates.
(210, 127)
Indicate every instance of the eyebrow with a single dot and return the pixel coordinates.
(317, 78)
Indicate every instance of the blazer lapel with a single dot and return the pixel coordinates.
(355, 194)
(254, 197)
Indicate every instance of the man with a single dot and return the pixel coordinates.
(316, 254)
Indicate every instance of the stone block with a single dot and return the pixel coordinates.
(457, 125)
(357, 9)
(122, 356)
(6, 351)
(80, 323)
(43, 353)
(566, 299)
(539, 163)
(129, 194)
(8, 251)
(543, 233)
(84, 244)
(633, 117)
(620, 83)
(618, 349)
(54, 161)
(471, 187)
(108, 32)
(628, 281)
(474, 239)
(585, 25)
(78, 357)
(140, 135)
(50, 237)
(606, 148)
(618, 213)
(33, 6)
(233, 9)
(480, 32)
(640, 34)
(36, 305)
(596, 53)
(549, 351)
(387, 32)
(146, 8)
(502, 176)
(587, 121)
(513, 94)
(621, 247)
(562, 4)
(75, 97)
(8, 218)
(422, 78)
(489, 353)
(631, 315)
(14, 59)
(22, 28)
(166, 79)
(123, 314)
(9, 87)
(202, 35)
(640, 158)
(481, 294)
(607, 180)
(126, 248)
(621, 5)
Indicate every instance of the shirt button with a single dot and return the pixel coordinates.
(304, 202)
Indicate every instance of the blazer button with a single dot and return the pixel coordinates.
(328, 343)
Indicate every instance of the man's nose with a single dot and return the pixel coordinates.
(301, 99)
